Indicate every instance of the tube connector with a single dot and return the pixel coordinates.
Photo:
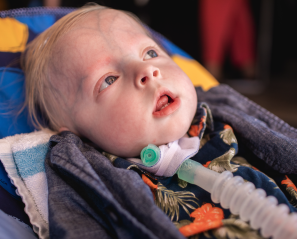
(150, 155)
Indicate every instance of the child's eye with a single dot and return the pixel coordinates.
(107, 82)
(150, 54)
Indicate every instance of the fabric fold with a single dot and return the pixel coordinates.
(89, 197)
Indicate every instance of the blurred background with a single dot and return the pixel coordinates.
(250, 45)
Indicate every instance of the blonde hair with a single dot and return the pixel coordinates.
(35, 64)
(40, 95)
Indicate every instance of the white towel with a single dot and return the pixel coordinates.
(23, 158)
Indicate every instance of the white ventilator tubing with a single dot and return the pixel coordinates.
(243, 199)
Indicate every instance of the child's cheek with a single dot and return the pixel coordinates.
(173, 72)
(126, 120)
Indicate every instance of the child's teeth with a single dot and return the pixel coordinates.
(164, 106)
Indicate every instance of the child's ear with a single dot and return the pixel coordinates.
(63, 129)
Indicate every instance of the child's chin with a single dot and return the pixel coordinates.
(126, 152)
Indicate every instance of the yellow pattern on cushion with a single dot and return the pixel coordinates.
(196, 72)
(14, 35)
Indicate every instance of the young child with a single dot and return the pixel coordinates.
(98, 74)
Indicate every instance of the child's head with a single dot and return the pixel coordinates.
(98, 73)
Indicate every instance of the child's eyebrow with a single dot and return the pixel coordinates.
(93, 73)
(99, 64)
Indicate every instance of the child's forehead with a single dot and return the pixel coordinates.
(108, 28)
(108, 21)
(105, 25)
(103, 30)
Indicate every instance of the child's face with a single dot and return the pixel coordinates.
(122, 80)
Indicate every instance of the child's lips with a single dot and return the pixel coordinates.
(166, 104)
(163, 101)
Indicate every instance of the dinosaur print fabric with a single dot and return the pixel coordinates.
(190, 208)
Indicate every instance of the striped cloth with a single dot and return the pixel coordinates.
(23, 158)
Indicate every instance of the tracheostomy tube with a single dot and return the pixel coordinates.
(150, 155)
(241, 197)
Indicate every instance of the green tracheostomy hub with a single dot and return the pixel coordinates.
(150, 155)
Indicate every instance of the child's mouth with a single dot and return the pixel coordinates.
(163, 102)
(166, 105)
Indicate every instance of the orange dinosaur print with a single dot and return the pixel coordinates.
(206, 218)
(148, 182)
(289, 183)
(226, 126)
(206, 164)
(193, 130)
(196, 129)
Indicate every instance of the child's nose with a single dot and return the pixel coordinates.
(146, 74)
